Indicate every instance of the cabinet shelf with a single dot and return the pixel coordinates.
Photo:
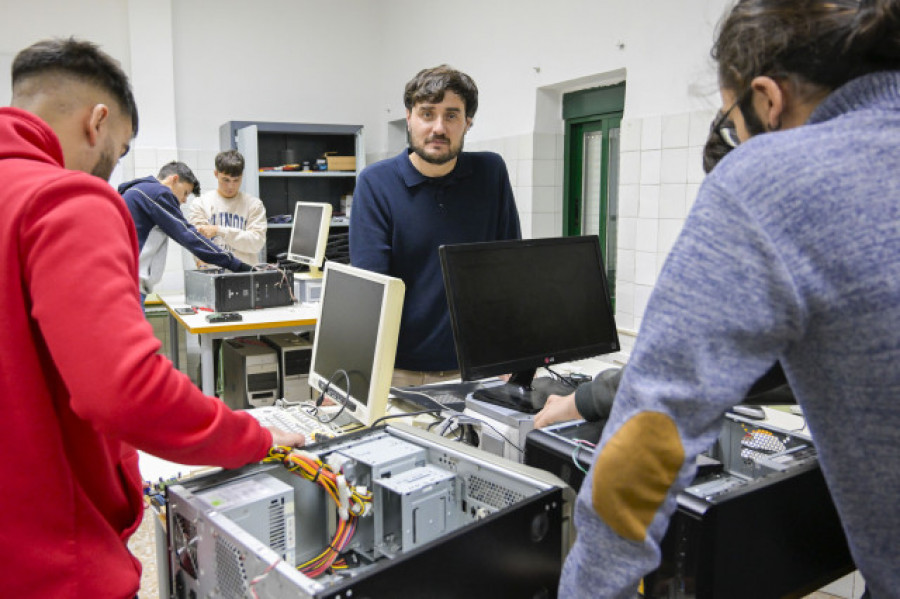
(265, 144)
(338, 221)
(305, 174)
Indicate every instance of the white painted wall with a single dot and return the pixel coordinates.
(514, 47)
(198, 63)
(347, 60)
(152, 72)
(104, 22)
(278, 60)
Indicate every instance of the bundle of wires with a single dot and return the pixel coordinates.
(328, 558)
(284, 277)
(580, 444)
(352, 502)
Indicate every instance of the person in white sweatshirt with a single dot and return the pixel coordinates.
(234, 220)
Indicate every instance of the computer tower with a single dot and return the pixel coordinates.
(224, 291)
(308, 290)
(504, 430)
(757, 504)
(249, 373)
(294, 357)
(445, 521)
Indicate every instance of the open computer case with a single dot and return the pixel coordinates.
(446, 520)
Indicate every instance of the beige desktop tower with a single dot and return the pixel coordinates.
(250, 373)
(294, 356)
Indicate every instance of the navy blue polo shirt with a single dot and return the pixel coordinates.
(400, 218)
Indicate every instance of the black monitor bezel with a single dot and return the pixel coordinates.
(324, 224)
(522, 364)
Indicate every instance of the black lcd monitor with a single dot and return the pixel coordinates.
(519, 305)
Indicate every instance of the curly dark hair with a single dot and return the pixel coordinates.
(820, 42)
(429, 85)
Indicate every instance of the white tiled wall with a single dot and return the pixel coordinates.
(659, 175)
(535, 164)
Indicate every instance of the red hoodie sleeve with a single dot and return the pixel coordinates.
(82, 271)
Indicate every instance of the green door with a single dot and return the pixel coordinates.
(592, 184)
(593, 118)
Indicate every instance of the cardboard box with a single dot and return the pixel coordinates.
(340, 163)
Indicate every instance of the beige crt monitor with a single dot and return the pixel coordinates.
(356, 339)
(309, 235)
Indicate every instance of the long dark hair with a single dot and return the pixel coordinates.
(824, 43)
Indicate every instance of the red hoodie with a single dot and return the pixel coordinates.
(80, 380)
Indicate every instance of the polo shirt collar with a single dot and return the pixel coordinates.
(412, 177)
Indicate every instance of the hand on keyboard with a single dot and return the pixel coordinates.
(286, 439)
(294, 420)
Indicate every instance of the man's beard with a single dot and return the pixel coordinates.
(752, 122)
(105, 166)
(449, 155)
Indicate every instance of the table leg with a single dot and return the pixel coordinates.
(174, 332)
(207, 375)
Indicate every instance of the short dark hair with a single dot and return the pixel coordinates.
(82, 60)
(429, 85)
(230, 162)
(184, 173)
(823, 42)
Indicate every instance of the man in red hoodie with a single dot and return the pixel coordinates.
(81, 384)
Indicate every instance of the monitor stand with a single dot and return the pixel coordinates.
(515, 394)
(309, 286)
(314, 273)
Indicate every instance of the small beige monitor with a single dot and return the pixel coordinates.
(356, 339)
(309, 234)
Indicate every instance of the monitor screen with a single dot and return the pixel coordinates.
(309, 233)
(357, 334)
(519, 305)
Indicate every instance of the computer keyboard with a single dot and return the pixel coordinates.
(444, 398)
(437, 395)
(294, 419)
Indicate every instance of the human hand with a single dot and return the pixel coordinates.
(286, 439)
(208, 231)
(557, 409)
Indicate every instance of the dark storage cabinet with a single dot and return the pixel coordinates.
(267, 145)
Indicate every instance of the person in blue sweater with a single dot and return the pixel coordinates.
(155, 204)
(433, 194)
(791, 252)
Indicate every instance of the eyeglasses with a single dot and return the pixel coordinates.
(723, 124)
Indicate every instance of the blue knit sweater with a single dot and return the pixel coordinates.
(400, 218)
(791, 252)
